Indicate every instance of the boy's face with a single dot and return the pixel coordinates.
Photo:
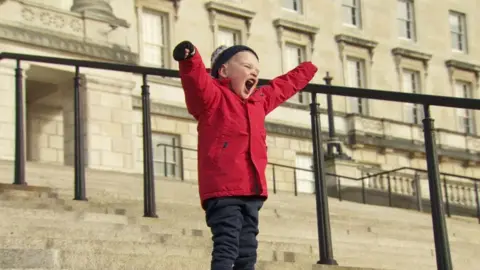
(242, 69)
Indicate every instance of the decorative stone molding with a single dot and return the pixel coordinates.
(54, 20)
(98, 10)
(52, 41)
(343, 39)
(284, 24)
(456, 64)
(176, 7)
(400, 53)
(230, 10)
(453, 65)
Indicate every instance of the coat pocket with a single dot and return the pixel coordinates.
(218, 150)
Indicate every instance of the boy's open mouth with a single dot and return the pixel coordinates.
(249, 84)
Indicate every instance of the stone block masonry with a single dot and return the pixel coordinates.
(108, 122)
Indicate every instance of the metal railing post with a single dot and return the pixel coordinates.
(442, 248)
(295, 187)
(418, 192)
(447, 199)
(79, 139)
(339, 188)
(148, 174)
(19, 174)
(274, 180)
(389, 190)
(477, 200)
(321, 196)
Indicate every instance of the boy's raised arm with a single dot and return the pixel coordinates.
(200, 92)
(285, 86)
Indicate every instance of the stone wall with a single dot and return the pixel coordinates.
(45, 134)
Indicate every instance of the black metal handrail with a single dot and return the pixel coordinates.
(442, 246)
(339, 179)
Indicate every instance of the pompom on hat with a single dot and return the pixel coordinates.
(223, 53)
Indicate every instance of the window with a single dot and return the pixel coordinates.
(154, 32)
(293, 5)
(228, 37)
(405, 17)
(458, 31)
(294, 55)
(411, 84)
(166, 155)
(351, 12)
(305, 178)
(356, 78)
(465, 119)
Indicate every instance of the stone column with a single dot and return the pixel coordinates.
(7, 108)
(109, 121)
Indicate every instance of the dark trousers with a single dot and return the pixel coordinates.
(234, 225)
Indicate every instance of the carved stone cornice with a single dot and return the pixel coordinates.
(462, 65)
(408, 53)
(453, 65)
(356, 41)
(230, 10)
(306, 29)
(400, 53)
(55, 42)
(296, 26)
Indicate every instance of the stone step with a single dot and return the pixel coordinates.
(195, 209)
(338, 227)
(298, 211)
(185, 248)
(51, 258)
(342, 252)
(68, 227)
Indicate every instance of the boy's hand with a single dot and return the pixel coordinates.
(183, 51)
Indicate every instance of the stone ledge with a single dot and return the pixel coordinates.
(66, 44)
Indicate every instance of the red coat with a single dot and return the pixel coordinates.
(232, 150)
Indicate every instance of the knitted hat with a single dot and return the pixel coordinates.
(223, 53)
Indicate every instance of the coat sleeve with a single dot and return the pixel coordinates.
(285, 86)
(201, 93)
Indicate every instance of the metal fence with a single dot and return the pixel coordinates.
(442, 246)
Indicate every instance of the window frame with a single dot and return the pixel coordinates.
(237, 35)
(410, 9)
(414, 110)
(361, 67)
(298, 3)
(298, 98)
(176, 151)
(163, 9)
(468, 125)
(462, 21)
(357, 14)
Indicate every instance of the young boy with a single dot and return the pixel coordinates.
(232, 151)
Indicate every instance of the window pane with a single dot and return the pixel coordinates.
(294, 55)
(295, 5)
(227, 37)
(454, 23)
(402, 10)
(153, 55)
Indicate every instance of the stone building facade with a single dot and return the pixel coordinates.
(402, 45)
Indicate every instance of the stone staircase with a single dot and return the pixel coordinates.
(41, 227)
